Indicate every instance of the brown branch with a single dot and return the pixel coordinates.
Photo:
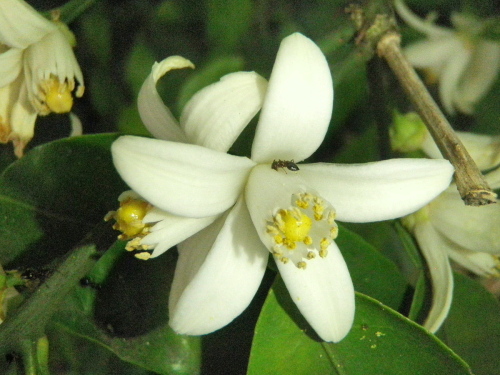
(471, 185)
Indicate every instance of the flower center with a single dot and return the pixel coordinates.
(55, 96)
(129, 221)
(294, 224)
(302, 231)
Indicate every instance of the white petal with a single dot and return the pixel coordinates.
(450, 77)
(493, 179)
(21, 25)
(324, 293)
(52, 56)
(480, 75)
(216, 115)
(183, 179)
(435, 251)
(170, 230)
(381, 190)
(218, 272)
(10, 65)
(430, 148)
(473, 228)
(484, 149)
(482, 264)
(22, 122)
(298, 104)
(433, 53)
(417, 23)
(266, 191)
(76, 125)
(154, 114)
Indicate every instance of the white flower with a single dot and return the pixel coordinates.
(465, 64)
(448, 229)
(484, 149)
(38, 71)
(248, 208)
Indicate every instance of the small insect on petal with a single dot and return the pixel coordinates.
(289, 164)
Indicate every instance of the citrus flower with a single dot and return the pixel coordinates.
(448, 229)
(39, 73)
(463, 62)
(234, 211)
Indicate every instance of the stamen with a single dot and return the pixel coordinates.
(128, 219)
(302, 231)
(55, 96)
(143, 256)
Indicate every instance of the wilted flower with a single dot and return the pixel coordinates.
(39, 73)
(448, 229)
(463, 62)
(250, 207)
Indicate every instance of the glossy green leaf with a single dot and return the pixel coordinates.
(422, 293)
(381, 341)
(472, 328)
(371, 272)
(79, 356)
(53, 196)
(123, 307)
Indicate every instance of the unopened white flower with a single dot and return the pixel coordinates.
(250, 207)
(39, 73)
(464, 63)
(448, 229)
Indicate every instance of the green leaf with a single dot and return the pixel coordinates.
(82, 357)
(125, 311)
(371, 272)
(53, 196)
(416, 269)
(472, 328)
(381, 341)
(7, 156)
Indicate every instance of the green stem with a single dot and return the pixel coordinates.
(29, 362)
(42, 355)
(29, 320)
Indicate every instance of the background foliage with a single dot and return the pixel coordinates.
(115, 322)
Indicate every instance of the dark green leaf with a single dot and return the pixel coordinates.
(127, 313)
(372, 273)
(472, 328)
(53, 196)
(381, 341)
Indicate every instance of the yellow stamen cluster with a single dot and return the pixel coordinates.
(129, 221)
(304, 230)
(55, 96)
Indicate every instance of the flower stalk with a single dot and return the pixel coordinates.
(473, 188)
(27, 323)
